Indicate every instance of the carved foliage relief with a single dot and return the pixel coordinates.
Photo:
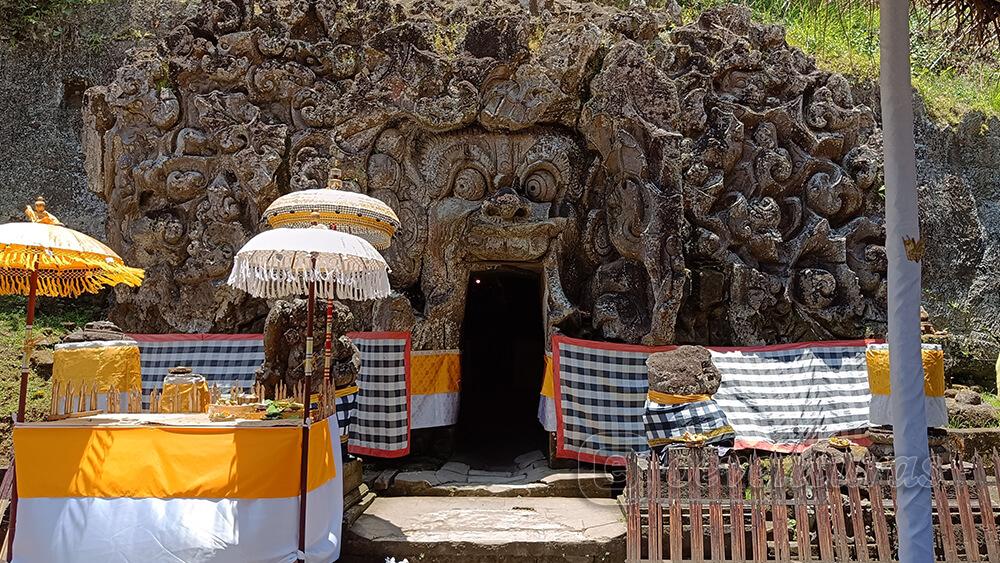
(698, 183)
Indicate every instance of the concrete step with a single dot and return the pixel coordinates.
(529, 476)
(487, 530)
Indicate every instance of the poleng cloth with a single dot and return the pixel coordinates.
(107, 363)
(225, 493)
(787, 396)
(698, 423)
(381, 424)
(880, 408)
(226, 360)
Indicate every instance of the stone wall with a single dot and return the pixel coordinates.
(701, 182)
(41, 92)
(41, 95)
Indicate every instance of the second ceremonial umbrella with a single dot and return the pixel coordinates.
(317, 262)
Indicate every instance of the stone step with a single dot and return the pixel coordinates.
(539, 483)
(487, 530)
(529, 476)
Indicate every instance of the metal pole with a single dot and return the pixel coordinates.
(904, 250)
(22, 400)
(304, 464)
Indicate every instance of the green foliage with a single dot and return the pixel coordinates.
(49, 323)
(36, 20)
(952, 75)
(990, 399)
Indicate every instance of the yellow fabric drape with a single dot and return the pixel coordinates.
(106, 365)
(180, 397)
(435, 372)
(878, 371)
(547, 385)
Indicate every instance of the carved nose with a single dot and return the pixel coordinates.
(506, 204)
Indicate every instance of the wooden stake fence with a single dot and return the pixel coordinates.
(699, 508)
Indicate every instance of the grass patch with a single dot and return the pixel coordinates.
(49, 325)
(952, 75)
(990, 399)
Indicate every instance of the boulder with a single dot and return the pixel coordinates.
(968, 397)
(962, 415)
(968, 360)
(41, 361)
(687, 370)
(97, 331)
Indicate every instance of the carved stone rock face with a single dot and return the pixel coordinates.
(474, 199)
(699, 183)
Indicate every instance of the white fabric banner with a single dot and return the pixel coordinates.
(148, 530)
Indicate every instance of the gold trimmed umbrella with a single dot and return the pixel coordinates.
(354, 213)
(350, 212)
(45, 258)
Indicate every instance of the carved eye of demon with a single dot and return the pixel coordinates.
(541, 185)
(470, 184)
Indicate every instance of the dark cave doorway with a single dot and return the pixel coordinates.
(503, 363)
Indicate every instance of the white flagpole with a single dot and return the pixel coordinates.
(904, 249)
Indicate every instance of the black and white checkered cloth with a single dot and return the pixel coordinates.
(601, 400)
(778, 398)
(382, 421)
(784, 397)
(346, 411)
(700, 420)
(224, 360)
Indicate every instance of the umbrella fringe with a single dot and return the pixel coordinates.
(272, 283)
(61, 273)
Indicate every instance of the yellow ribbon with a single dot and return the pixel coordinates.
(694, 440)
(670, 399)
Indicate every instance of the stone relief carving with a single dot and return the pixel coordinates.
(697, 183)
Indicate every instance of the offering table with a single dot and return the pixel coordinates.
(175, 487)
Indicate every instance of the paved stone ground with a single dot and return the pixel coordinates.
(488, 530)
(528, 476)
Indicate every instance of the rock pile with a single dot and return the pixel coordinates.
(966, 409)
(97, 331)
(687, 370)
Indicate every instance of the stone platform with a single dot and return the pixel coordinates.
(528, 476)
(487, 530)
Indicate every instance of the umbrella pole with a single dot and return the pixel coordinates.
(328, 347)
(304, 466)
(25, 361)
(22, 399)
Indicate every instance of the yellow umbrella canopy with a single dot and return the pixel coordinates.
(67, 263)
(350, 212)
(45, 258)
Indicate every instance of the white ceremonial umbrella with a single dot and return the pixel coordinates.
(313, 261)
(288, 262)
(351, 212)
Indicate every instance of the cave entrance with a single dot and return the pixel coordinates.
(503, 363)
